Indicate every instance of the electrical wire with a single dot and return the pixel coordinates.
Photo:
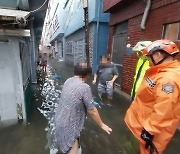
(39, 7)
(22, 21)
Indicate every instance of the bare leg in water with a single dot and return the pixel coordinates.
(74, 149)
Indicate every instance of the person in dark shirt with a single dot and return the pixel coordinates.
(107, 73)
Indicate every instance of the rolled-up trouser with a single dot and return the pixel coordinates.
(105, 88)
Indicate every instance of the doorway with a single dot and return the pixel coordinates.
(119, 49)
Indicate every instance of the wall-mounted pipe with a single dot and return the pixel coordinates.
(97, 29)
(145, 15)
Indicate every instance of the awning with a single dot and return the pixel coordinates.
(16, 32)
(14, 13)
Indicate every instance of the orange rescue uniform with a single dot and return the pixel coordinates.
(157, 105)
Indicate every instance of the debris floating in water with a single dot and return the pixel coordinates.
(51, 95)
(56, 76)
(53, 151)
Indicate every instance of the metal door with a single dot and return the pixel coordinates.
(78, 50)
(118, 52)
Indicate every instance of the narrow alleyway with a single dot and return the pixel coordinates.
(94, 140)
(37, 136)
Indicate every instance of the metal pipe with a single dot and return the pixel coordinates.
(97, 30)
(86, 20)
(146, 11)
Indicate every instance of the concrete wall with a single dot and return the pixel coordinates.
(56, 19)
(74, 18)
(11, 84)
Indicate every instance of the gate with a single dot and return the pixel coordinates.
(78, 50)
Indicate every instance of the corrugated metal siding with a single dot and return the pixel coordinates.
(79, 51)
(75, 46)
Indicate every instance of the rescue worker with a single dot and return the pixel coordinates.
(155, 112)
(141, 66)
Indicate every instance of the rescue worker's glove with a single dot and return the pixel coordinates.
(148, 138)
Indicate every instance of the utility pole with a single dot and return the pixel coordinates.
(86, 20)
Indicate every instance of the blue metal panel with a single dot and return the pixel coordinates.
(103, 38)
(96, 11)
(100, 43)
(104, 17)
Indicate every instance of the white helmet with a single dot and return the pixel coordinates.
(141, 45)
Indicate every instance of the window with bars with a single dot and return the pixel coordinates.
(69, 46)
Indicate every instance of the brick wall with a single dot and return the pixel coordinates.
(109, 3)
(128, 73)
(162, 12)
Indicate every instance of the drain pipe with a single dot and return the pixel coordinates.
(97, 30)
(146, 11)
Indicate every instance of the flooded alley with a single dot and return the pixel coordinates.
(132, 49)
(37, 136)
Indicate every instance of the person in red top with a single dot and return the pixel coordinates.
(155, 113)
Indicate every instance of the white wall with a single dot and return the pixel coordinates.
(11, 86)
(54, 21)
